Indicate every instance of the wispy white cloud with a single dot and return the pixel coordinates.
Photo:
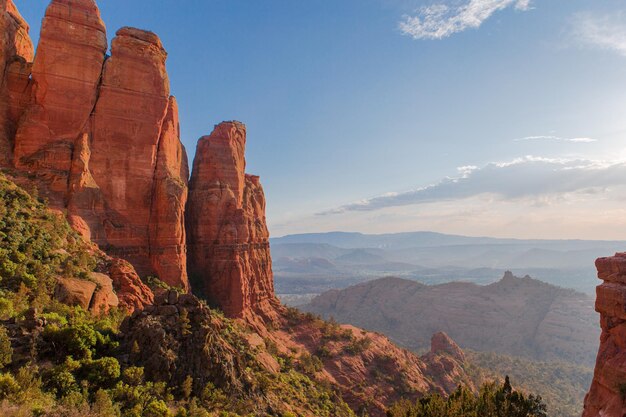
(556, 139)
(533, 177)
(601, 31)
(442, 20)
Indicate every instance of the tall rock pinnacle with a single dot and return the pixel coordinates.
(228, 240)
(606, 397)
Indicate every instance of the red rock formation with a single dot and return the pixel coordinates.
(65, 77)
(132, 293)
(168, 253)
(605, 398)
(442, 343)
(102, 137)
(16, 56)
(228, 239)
(367, 368)
(126, 130)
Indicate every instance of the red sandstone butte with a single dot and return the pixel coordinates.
(101, 135)
(228, 240)
(605, 398)
(65, 77)
(16, 57)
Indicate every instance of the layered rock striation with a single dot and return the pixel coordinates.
(606, 396)
(228, 240)
(16, 57)
(100, 134)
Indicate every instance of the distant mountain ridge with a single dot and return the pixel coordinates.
(433, 258)
(515, 316)
(429, 239)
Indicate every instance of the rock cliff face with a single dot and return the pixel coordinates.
(228, 240)
(16, 57)
(100, 134)
(606, 396)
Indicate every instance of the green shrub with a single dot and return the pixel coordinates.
(8, 386)
(6, 351)
(101, 373)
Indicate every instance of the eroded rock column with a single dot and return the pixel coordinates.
(606, 396)
(228, 240)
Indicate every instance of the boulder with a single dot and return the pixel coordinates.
(75, 292)
(104, 298)
(132, 293)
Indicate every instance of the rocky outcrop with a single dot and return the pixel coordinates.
(96, 294)
(133, 294)
(228, 240)
(441, 343)
(100, 134)
(65, 77)
(177, 337)
(75, 292)
(16, 57)
(606, 396)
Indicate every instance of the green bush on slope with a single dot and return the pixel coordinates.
(562, 385)
(491, 401)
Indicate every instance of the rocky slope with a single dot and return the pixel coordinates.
(606, 396)
(516, 316)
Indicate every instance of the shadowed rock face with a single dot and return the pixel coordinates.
(605, 397)
(100, 135)
(228, 240)
(16, 57)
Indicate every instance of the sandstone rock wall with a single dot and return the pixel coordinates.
(100, 134)
(228, 240)
(606, 396)
(16, 57)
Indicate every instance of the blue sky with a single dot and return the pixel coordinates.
(478, 117)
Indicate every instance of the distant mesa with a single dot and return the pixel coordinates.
(515, 316)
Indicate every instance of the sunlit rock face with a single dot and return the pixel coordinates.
(228, 240)
(99, 134)
(606, 397)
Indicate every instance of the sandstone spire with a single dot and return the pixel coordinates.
(606, 398)
(228, 240)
